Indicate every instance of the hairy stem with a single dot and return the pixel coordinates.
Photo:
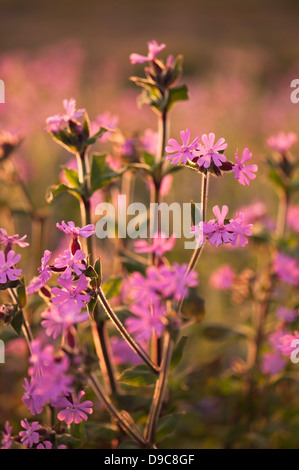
(160, 390)
(100, 337)
(123, 331)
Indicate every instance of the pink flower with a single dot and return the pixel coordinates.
(209, 152)
(71, 292)
(30, 436)
(293, 218)
(181, 152)
(253, 212)
(287, 314)
(216, 230)
(285, 343)
(153, 50)
(59, 319)
(74, 411)
(7, 270)
(8, 241)
(71, 263)
(160, 245)
(240, 231)
(49, 445)
(31, 398)
(69, 228)
(272, 363)
(282, 141)
(6, 441)
(35, 285)
(54, 123)
(45, 270)
(223, 277)
(175, 282)
(148, 317)
(122, 353)
(242, 172)
(105, 120)
(149, 141)
(287, 269)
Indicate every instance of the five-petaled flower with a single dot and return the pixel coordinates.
(74, 411)
(71, 263)
(209, 152)
(7, 270)
(242, 172)
(182, 152)
(153, 50)
(30, 436)
(69, 228)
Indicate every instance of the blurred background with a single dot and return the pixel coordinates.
(239, 61)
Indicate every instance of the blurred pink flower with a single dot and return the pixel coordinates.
(148, 318)
(6, 441)
(272, 363)
(149, 141)
(287, 314)
(74, 411)
(49, 445)
(242, 172)
(209, 152)
(16, 347)
(7, 270)
(106, 120)
(282, 141)
(253, 212)
(175, 281)
(293, 218)
(54, 123)
(59, 319)
(153, 50)
(285, 343)
(161, 244)
(287, 269)
(30, 436)
(123, 354)
(181, 152)
(223, 277)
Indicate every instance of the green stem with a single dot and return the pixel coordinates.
(25, 324)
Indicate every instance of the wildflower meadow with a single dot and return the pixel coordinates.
(148, 277)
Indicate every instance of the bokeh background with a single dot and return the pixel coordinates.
(239, 61)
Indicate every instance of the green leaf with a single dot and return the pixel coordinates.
(98, 270)
(149, 159)
(167, 425)
(138, 376)
(55, 190)
(178, 351)
(111, 288)
(67, 440)
(21, 291)
(277, 179)
(101, 173)
(72, 177)
(17, 322)
(176, 94)
(100, 431)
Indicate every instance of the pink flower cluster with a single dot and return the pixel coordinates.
(218, 231)
(209, 153)
(150, 292)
